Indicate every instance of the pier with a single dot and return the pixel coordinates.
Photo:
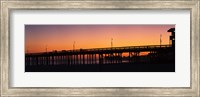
(97, 55)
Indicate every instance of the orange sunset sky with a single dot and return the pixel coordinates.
(62, 37)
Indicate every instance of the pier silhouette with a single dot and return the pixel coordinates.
(157, 58)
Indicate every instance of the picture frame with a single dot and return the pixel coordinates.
(7, 6)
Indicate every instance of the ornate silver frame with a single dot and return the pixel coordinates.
(8, 5)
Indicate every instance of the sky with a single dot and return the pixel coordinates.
(39, 38)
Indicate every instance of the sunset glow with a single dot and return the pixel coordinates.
(39, 38)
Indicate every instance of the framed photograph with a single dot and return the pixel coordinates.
(100, 48)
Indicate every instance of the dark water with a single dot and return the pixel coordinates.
(125, 67)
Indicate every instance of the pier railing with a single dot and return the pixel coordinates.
(105, 50)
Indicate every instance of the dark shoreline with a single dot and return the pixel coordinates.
(125, 67)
